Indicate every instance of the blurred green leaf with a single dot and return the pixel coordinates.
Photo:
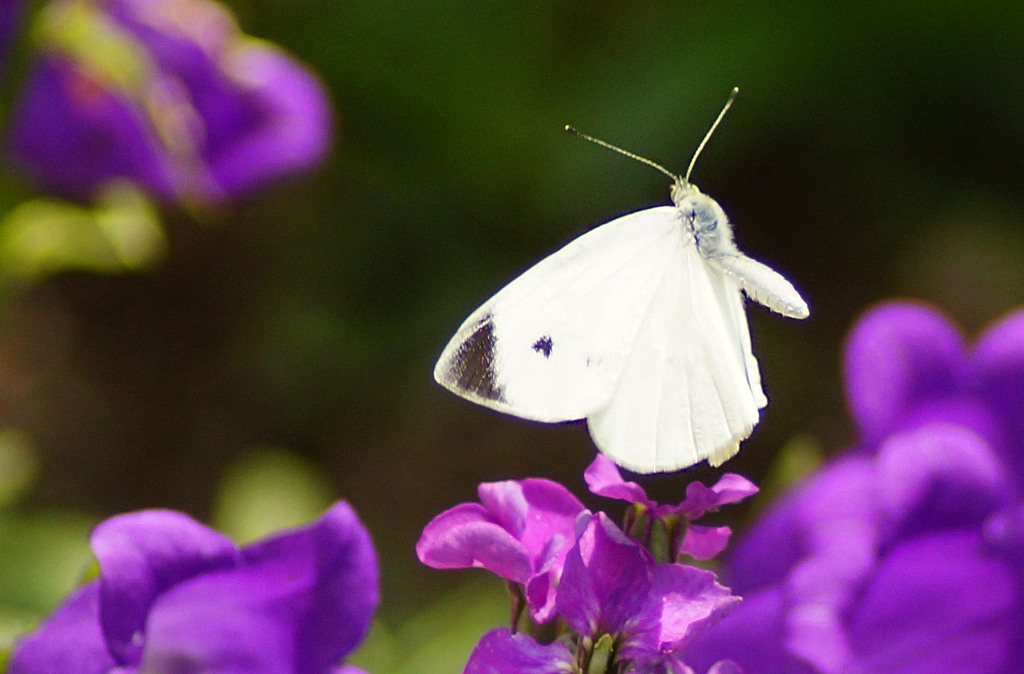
(18, 465)
(43, 236)
(379, 652)
(14, 622)
(797, 459)
(439, 639)
(267, 490)
(43, 557)
(89, 36)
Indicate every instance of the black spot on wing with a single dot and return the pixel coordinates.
(473, 365)
(543, 345)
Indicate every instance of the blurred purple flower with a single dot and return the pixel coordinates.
(175, 596)
(902, 556)
(613, 591)
(702, 542)
(76, 134)
(187, 107)
(520, 531)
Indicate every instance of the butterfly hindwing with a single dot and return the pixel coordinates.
(690, 389)
(550, 346)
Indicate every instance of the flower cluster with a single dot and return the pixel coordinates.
(587, 597)
(905, 554)
(174, 596)
(168, 94)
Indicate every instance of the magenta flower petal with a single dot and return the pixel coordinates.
(73, 134)
(257, 114)
(938, 476)
(332, 569)
(291, 128)
(604, 479)
(822, 587)
(817, 637)
(293, 604)
(606, 580)
(752, 636)
(209, 114)
(937, 604)
(843, 491)
(542, 584)
(705, 542)
(142, 554)
(69, 641)
(501, 652)
(664, 663)
(300, 602)
(612, 585)
(521, 532)
(1004, 532)
(965, 410)
(999, 355)
(690, 600)
(466, 536)
(730, 488)
(898, 356)
(227, 623)
(999, 364)
(534, 510)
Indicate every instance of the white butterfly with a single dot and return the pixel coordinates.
(637, 326)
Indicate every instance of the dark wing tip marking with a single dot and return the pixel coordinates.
(543, 345)
(473, 364)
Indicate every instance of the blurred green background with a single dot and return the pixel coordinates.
(280, 354)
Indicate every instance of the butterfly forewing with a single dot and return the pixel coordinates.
(552, 344)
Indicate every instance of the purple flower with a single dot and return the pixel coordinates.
(192, 109)
(502, 652)
(520, 531)
(902, 556)
(622, 605)
(175, 596)
(702, 542)
(76, 134)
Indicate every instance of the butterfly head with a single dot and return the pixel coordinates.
(682, 190)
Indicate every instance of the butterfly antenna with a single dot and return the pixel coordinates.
(643, 160)
(707, 136)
